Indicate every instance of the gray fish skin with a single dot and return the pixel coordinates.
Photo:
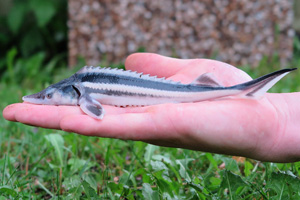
(92, 86)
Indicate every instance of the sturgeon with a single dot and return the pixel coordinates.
(92, 86)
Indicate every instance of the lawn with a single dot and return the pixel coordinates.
(37, 163)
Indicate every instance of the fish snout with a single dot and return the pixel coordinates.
(38, 95)
(37, 98)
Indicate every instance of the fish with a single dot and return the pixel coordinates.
(90, 87)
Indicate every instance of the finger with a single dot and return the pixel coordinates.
(114, 110)
(45, 116)
(9, 111)
(132, 126)
(154, 64)
(49, 116)
(113, 126)
(224, 73)
(185, 70)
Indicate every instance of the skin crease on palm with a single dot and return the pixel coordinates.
(267, 129)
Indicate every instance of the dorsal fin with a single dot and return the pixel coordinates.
(207, 79)
(115, 71)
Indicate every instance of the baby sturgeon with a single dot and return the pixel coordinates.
(92, 86)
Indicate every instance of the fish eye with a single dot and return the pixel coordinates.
(49, 96)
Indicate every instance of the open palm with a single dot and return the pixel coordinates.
(265, 129)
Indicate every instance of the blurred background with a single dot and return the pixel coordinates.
(237, 32)
(241, 33)
(42, 42)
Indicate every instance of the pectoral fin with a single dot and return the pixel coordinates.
(91, 107)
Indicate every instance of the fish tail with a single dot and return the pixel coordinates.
(258, 87)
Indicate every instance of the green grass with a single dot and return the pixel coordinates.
(37, 163)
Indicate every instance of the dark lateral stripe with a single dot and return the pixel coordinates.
(139, 82)
(120, 93)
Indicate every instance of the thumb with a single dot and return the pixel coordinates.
(154, 64)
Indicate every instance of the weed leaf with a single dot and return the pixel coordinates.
(286, 186)
(232, 183)
(148, 193)
(76, 164)
(149, 152)
(34, 63)
(29, 46)
(57, 142)
(16, 17)
(43, 10)
(248, 168)
(89, 191)
(182, 170)
(162, 158)
(91, 181)
(6, 190)
(230, 164)
(72, 182)
(10, 57)
(73, 186)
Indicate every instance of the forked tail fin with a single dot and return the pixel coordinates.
(258, 87)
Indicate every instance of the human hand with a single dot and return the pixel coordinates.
(267, 129)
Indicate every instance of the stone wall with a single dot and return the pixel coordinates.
(234, 31)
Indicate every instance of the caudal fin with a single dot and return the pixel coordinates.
(258, 87)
